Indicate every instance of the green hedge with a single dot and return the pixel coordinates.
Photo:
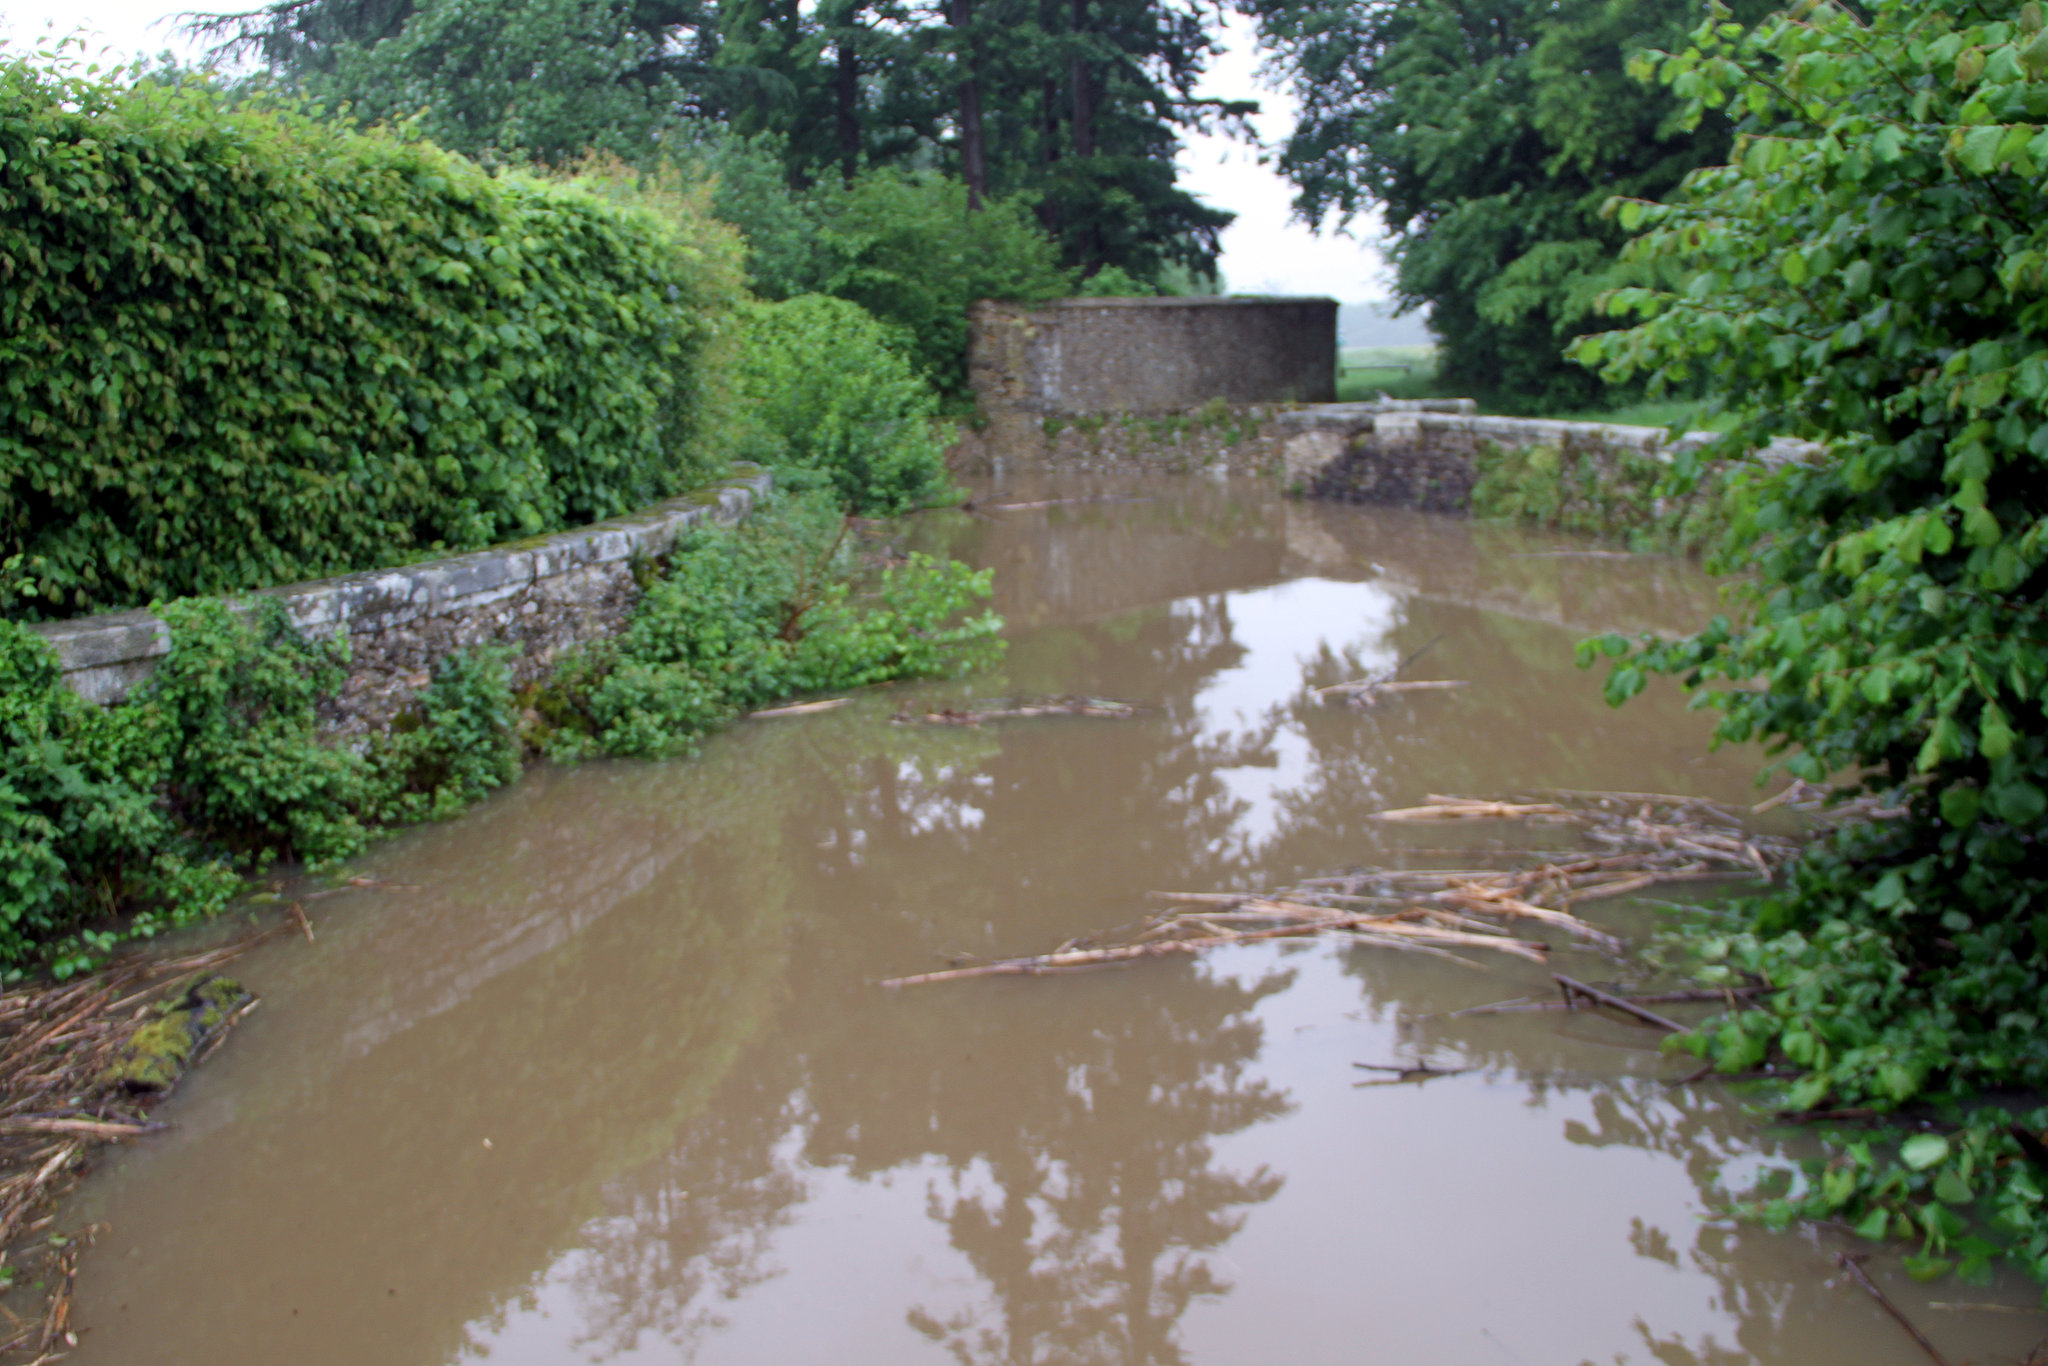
(817, 385)
(239, 347)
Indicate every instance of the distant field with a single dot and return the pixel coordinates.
(1683, 413)
(1410, 372)
(1397, 371)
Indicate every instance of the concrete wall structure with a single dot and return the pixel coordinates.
(537, 596)
(1150, 356)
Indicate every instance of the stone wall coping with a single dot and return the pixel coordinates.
(1390, 416)
(1172, 301)
(1360, 412)
(105, 655)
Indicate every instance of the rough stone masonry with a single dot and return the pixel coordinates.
(537, 596)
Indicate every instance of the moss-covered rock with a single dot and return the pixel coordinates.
(160, 1050)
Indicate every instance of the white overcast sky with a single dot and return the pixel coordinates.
(1263, 251)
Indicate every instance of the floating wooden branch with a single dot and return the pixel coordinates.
(798, 708)
(1100, 708)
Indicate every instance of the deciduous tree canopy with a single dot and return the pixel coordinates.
(1487, 134)
(1868, 273)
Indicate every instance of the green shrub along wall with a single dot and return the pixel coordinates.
(122, 821)
(816, 385)
(238, 347)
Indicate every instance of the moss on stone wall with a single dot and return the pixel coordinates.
(1617, 494)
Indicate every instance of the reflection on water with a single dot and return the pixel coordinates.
(606, 1077)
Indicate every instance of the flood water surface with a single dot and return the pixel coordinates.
(602, 1072)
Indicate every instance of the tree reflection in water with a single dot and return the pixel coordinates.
(1076, 1126)
(1091, 1239)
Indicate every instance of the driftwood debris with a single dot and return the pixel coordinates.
(1367, 692)
(1100, 708)
(1723, 995)
(1639, 839)
(799, 708)
(1437, 808)
(1405, 1074)
(80, 1062)
(1574, 990)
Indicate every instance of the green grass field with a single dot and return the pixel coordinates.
(1410, 372)
(1398, 371)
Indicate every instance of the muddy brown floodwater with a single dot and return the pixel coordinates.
(613, 1082)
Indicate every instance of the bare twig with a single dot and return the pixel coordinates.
(1571, 987)
(1854, 1266)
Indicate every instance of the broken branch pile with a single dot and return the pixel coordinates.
(80, 1063)
(1637, 840)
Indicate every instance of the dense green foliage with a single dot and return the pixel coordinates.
(1487, 134)
(819, 387)
(1077, 105)
(238, 347)
(903, 246)
(746, 615)
(152, 810)
(1868, 273)
(906, 249)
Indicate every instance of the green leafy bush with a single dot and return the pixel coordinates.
(743, 616)
(130, 819)
(902, 246)
(817, 385)
(1866, 273)
(154, 807)
(906, 249)
(240, 347)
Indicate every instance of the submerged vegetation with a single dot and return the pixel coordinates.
(127, 820)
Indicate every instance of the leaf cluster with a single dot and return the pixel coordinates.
(818, 384)
(152, 810)
(1867, 273)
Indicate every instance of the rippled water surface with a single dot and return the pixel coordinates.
(608, 1078)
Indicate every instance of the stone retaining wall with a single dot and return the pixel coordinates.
(1421, 454)
(538, 596)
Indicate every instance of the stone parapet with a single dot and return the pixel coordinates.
(1421, 453)
(536, 596)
